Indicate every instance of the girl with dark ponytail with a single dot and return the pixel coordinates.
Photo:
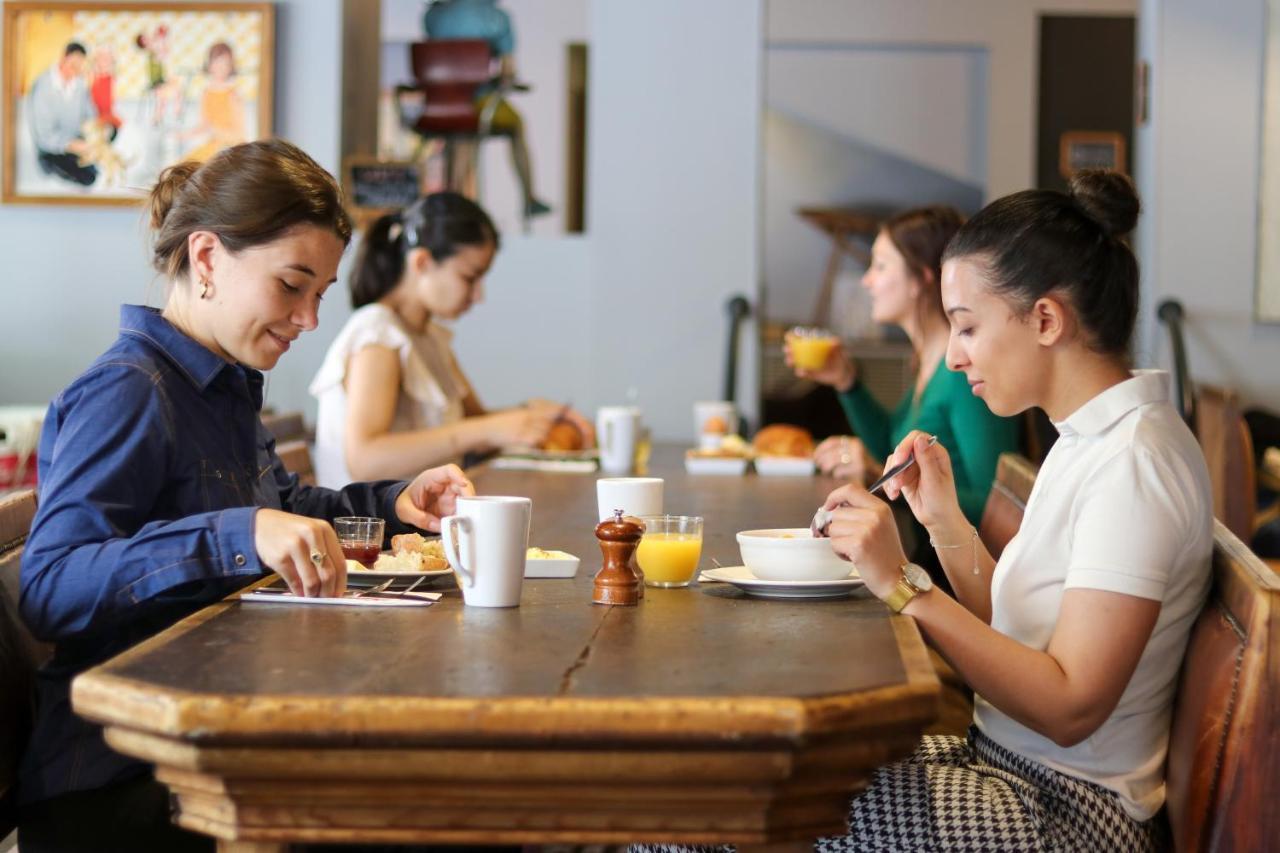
(391, 393)
(1073, 639)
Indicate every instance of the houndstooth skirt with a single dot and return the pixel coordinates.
(973, 794)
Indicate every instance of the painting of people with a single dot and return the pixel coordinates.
(101, 97)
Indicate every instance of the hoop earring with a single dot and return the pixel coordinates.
(204, 288)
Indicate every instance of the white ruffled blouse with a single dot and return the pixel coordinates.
(431, 388)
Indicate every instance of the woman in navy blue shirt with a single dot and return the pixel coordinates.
(160, 490)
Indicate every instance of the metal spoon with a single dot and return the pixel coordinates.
(822, 518)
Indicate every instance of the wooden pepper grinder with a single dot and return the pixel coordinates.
(617, 582)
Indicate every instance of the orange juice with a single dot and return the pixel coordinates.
(669, 559)
(809, 352)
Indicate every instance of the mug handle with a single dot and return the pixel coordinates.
(452, 551)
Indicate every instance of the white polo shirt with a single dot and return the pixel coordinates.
(1123, 504)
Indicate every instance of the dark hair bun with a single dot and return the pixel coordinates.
(165, 192)
(1108, 198)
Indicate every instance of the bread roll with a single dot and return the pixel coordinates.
(563, 435)
(715, 425)
(783, 440)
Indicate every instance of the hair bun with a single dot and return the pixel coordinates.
(1108, 198)
(166, 190)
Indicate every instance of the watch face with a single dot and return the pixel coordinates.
(917, 577)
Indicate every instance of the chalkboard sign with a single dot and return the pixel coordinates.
(377, 186)
(1083, 149)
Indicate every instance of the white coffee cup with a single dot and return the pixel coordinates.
(485, 541)
(617, 431)
(708, 409)
(633, 495)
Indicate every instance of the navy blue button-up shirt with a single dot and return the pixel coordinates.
(152, 466)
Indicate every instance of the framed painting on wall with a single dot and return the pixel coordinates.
(100, 97)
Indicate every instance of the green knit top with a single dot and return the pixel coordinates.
(964, 425)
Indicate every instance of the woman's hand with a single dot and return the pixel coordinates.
(523, 426)
(847, 457)
(862, 531)
(285, 544)
(839, 371)
(432, 495)
(929, 485)
(574, 417)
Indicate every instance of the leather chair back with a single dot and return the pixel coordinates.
(1224, 748)
(285, 426)
(1002, 516)
(1228, 451)
(296, 456)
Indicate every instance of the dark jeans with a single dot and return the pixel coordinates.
(67, 166)
(129, 817)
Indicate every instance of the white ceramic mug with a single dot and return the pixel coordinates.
(485, 541)
(633, 495)
(617, 431)
(708, 409)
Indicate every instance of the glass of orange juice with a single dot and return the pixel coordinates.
(810, 346)
(669, 549)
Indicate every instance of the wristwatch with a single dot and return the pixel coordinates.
(913, 581)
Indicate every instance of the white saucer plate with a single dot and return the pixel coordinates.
(354, 575)
(741, 577)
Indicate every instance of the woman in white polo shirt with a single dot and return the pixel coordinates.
(1073, 639)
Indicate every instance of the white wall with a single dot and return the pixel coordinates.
(888, 105)
(1198, 175)
(67, 269)
(1007, 30)
(673, 177)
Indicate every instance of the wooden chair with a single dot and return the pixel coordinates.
(1224, 749)
(286, 426)
(296, 456)
(1002, 516)
(1228, 450)
(20, 654)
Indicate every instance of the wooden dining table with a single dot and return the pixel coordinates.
(701, 715)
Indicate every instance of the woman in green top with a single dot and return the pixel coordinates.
(903, 280)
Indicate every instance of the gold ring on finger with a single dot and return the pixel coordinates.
(317, 558)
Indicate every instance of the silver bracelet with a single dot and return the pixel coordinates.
(973, 543)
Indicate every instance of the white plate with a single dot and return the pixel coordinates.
(361, 572)
(565, 566)
(732, 465)
(742, 578)
(784, 466)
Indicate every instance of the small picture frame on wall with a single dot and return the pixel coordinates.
(100, 97)
(375, 187)
(1090, 149)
